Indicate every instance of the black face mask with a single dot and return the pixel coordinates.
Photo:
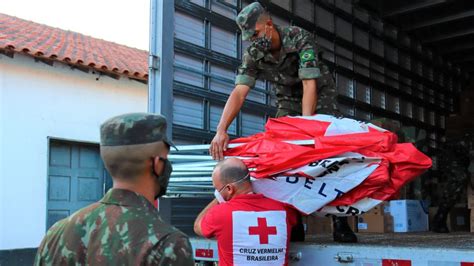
(164, 178)
(263, 43)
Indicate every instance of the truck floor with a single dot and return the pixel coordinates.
(455, 240)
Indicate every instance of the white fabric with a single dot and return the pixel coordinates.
(247, 247)
(330, 179)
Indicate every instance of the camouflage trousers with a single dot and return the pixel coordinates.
(457, 180)
(327, 97)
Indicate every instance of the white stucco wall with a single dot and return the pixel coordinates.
(38, 101)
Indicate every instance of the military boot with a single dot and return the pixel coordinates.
(341, 230)
(439, 221)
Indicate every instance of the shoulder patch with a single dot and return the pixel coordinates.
(307, 55)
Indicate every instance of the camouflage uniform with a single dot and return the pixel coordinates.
(123, 228)
(298, 60)
(453, 163)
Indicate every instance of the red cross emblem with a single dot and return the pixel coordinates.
(262, 230)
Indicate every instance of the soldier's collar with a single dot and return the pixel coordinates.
(126, 198)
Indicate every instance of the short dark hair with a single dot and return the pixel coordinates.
(230, 173)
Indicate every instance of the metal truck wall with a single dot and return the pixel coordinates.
(379, 73)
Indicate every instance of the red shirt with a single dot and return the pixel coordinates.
(250, 229)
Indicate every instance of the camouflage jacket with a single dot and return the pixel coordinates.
(123, 228)
(297, 61)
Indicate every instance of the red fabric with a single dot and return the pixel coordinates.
(401, 162)
(217, 222)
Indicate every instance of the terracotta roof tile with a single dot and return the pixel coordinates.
(43, 41)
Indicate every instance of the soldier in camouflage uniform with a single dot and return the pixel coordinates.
(453, 163)
(287, 57)
(123, 228)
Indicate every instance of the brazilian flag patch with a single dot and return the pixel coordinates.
(307, 55)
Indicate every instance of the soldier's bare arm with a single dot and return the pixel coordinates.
(231, 109)
(310, 96)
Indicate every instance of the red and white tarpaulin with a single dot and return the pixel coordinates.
(351, 167)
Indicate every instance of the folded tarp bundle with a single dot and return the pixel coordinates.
(342, 167)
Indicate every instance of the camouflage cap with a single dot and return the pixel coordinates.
(247, 19)
(134, 128)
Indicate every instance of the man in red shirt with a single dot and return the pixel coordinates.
(250, 229)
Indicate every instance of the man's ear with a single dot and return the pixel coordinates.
(158, 164)
(269, 22)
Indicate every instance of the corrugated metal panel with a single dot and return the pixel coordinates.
(343, 29)
(393, 103)
(257, 94)
(223, 41)
(224, 10)
(188, 70)
(252, 123)
(324, 19)
(215, 115)
(344, 57)
(391, 53)
(361, 14)
(198, 2)
(344, 5)
(188, 112)
(345, 86)
(185, 210)
(362, 66)
(283, 3)
(305, 9)
(363, 92)
(361, 38)
(346, 110)
(378, 98)
(189, 29)
(363, 115)
(378, 72)
(222, 79)
(377, 46)
(391, 78)
(280, 21)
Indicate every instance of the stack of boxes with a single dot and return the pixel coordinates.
(315, 225)
(377, 220)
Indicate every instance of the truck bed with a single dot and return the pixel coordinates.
(401, 249)
(455, 240)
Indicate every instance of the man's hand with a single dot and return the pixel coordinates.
(219, 145)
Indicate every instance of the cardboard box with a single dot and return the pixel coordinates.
(380, 209)
(315, 225)
(459, 220)
(374, 223)
(409, 215)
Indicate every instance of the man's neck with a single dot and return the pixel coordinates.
(140, 188)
